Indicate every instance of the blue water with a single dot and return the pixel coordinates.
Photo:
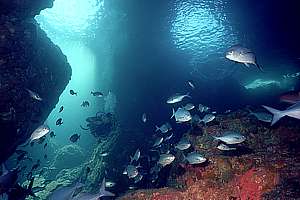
(143, 51)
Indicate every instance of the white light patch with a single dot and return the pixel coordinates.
(201, 28)
(71, 18)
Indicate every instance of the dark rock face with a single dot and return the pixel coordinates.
(24, 8)
(28, 60)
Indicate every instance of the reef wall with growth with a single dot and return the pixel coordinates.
(265, 167)
(28, 60)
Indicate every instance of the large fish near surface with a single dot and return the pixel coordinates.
(292, 111)
(243, 55)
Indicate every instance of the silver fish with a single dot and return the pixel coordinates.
(208, 118)
(181, 115)
(166, 159)
(136, 156)
(189, 106)
(164, 128)
(177, 98)
(261, 116)
(168, 137)
(196, 119)
(34, 95)
(191, 84)
(131, 171)
(292, 111)
(227, 111)
(104, 154)
(203, 108)
(195, 158)
(138, 178)
(231, 137)
(110, 184)
(243, 55)
(224, 147)
(144, 118)
(158, 141)
(183, 144)
(39, 132)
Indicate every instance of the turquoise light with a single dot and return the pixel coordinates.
(70, 24)
(71, 18)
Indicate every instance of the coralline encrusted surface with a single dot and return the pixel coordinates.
(266, 167)
(28, 60)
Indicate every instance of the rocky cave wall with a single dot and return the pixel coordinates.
(28, 60)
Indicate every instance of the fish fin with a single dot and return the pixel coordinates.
(139, 166)
(215, 138)
(103, 192)
(247, 65)
(277, 114)
(173, 113)
(131, 159)
(157, 128)
(188, 95)
(250, 111)
(259, 67)
(4, 169)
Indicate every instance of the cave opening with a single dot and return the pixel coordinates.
(72, 25)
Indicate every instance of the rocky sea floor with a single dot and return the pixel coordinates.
(266, 166)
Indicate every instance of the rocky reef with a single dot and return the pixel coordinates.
(265, 167)
(71, 164)
(28, 60)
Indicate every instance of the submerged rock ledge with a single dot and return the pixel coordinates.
(28, 60)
